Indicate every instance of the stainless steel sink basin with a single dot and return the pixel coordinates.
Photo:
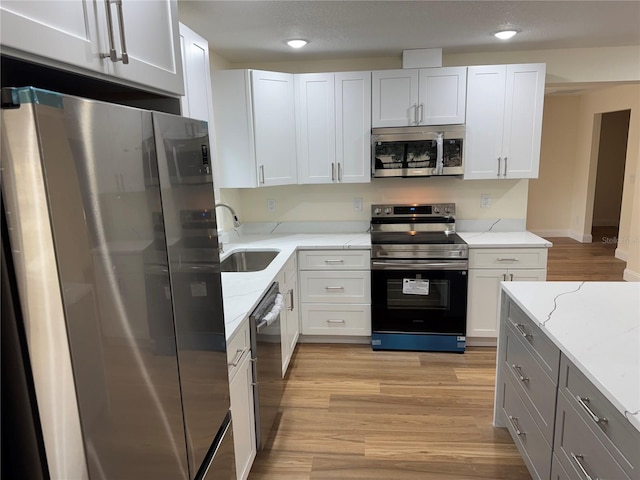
(248, 261)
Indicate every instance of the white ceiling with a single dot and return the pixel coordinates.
(254, 31)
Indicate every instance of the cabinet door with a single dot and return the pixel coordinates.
(523, 120)
(394, 98)
(353, 127)
(63, 31)
(196, 102)
(485, 122)
(482, 302)
(242, 415)
(316, 127)
(290, 324)
(151, 34)
(274, 127)
(442, 95)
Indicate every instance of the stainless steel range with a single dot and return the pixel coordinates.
(418, 278)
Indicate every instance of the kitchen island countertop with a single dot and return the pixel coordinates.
(596, 325)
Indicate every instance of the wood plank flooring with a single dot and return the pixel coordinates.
(351, 413)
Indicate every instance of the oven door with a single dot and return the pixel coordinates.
(421, 297)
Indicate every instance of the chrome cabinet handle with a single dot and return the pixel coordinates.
(261, 174)
(333, 172)
(516, 426)
(415, 113)
(499, 166)
(123, 42)
(504, 277)
(112, 55)
(291, 300)
(420, 109)
(523, 332)
(583, 403)
(577, 459)
(334, 288)
(508, 259)
(236, 359)
(518, 370)
(329, 320)
(505, 167)
(339, 172)
(511, 277)
(334, 261)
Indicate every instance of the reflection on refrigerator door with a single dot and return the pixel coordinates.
(89, 234)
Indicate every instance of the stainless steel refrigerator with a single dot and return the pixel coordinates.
(111, 265)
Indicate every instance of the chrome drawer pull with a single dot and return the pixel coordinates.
(236, 359)
(577, 458)
(523, 332)
(334, 288)
(518, 370)
(514, 423)
(583, 403)
(335, 321)
(334, 261)
(508, 259)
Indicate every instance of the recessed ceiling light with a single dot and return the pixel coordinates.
(297, 43)
(505, 34)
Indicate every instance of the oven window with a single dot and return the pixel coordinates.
(426, 295)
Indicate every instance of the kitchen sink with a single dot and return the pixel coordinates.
(248, 261)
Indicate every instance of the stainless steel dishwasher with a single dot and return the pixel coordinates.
(266, 357)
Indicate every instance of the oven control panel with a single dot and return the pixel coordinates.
(414, 210)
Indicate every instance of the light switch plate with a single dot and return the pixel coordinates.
(485, 200)
(271, 205)
(357, 204)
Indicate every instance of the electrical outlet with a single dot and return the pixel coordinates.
(271, 205)
(357, 204)
(485, 200)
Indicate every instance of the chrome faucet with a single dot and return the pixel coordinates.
(236, 222)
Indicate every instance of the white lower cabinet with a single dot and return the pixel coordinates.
(289, 316)
(242, 408)
(489, 267)
(335, 292)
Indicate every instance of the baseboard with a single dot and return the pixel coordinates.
(581, 237)
(482, 341)
(335, 339)
(621, 254)
(631, 276)
(550, 233)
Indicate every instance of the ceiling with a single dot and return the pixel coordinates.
(254, 31)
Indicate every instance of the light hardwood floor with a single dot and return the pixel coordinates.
(351, 413)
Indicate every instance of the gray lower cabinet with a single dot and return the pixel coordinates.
(563, 426)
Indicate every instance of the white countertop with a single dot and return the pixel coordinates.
(503, 240)
(242, 291)
(597, 326)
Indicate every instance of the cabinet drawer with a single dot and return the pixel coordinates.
(237, 348)
(336, 319)
(557, 471)
(335, 260)
(533, 447)
(512, 258)
(616, 433)
(335, 287)
(546, 352)
(579, 449)
(532, 383)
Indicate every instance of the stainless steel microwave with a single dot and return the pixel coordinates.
(417, 151)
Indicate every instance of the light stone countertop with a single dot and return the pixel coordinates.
(597, 326)
(504, 240)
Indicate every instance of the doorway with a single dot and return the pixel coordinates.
(612, 154)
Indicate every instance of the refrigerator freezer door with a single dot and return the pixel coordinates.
(194, 266)
(81, 197)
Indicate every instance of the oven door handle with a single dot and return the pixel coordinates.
(417, 265)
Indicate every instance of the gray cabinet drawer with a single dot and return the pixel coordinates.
(531, 382)
(616, 433)
(547, 354)
(557, 471)
(533, 447)
(579, 449)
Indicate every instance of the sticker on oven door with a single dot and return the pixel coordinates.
(415, 286)
(198, 289)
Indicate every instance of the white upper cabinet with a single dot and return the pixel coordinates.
(504, 121)
(333, 119)
(97, 38)
(426, 96)
(255, 128)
